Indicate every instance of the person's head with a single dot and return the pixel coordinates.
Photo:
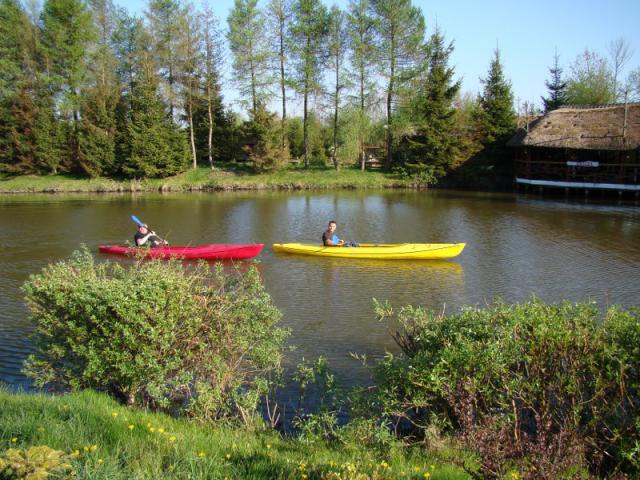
(332, 226)
(142, 228)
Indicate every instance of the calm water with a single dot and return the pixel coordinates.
(516, 246)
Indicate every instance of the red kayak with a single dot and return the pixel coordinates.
(200, 252)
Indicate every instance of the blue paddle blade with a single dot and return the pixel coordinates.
(136, 220)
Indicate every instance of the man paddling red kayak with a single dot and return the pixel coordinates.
(163, 250)
(145, 236)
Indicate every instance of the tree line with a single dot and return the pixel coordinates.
(87, 88)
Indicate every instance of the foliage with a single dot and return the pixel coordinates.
(190, 340)
(262, 134)
(591, 81)
(547, 389)
(557, 87)
(35, 463)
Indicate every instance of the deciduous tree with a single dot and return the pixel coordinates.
(309, 34)
(400, 28)
(591, 81)
(250, 53)
(337, 46)
(279, 18)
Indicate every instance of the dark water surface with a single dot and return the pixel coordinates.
(516, 246)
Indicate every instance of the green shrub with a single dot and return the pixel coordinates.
(553, 389)
(35, 463)
(157, 334)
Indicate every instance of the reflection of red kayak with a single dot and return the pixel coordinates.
(204, 252)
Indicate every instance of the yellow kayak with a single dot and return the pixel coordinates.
(384, 251)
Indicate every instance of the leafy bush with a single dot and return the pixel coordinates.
(551, 389)
(35, 463)
(193, 340)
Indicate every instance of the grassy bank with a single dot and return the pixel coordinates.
(225, 177)
(106, 440)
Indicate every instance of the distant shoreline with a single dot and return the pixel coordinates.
(204, 180)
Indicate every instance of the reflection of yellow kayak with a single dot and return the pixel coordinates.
(396, 251)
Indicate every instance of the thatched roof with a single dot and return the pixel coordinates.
(584, 128)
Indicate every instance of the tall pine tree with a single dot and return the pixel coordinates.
(496, 102)
(557, 87)
(436, 145)
(152, 145)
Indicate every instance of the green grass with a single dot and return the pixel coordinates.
(109, 441)
(225, 177)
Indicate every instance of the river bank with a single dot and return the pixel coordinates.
(104, 440)
(228, 177)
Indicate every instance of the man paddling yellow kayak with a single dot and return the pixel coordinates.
(330, 239)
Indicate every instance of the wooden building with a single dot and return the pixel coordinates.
(584, 147)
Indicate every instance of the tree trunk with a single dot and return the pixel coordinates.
(282, 86)
(334, 153)
(191, 133)
(305, 119)
(362, 157)
(389, 157)
(210, 116)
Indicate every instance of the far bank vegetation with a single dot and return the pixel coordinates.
(88, 89)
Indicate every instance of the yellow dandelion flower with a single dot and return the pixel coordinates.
(86, 449)
(131, 426)
(114, 414)
(427, 475)
(151, 429)
(14, 440)
(268, 445)
(172, 439)
(76, 453)
(99, 460)
(228, 456)
(161, 430)
(148, 424)
(304, 476)
(94, 448)
(201, 454)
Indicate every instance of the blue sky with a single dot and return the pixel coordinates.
(527, 34)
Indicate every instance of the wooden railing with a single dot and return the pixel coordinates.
(623, 173)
